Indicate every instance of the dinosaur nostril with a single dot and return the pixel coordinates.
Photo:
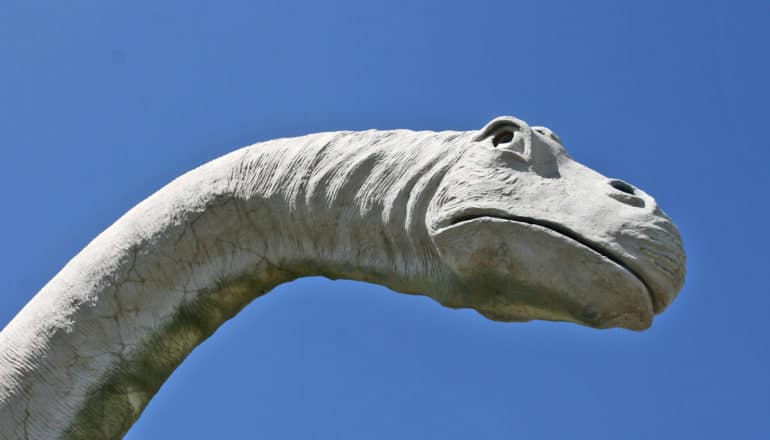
(622, 186)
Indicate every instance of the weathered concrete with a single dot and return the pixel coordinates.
(501, 220)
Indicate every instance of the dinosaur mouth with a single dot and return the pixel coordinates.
(464, 217)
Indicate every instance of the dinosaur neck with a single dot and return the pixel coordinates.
(86, 355)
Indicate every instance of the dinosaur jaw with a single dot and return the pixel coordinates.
(518, 269)
(559, 229)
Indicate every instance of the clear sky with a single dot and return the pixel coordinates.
(102, 103)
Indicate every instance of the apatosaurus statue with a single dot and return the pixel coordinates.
(501, 220)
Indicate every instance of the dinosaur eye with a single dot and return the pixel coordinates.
(502, 138)
(509, 138)
(506, 133)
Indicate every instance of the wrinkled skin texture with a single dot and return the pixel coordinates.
(501, 220)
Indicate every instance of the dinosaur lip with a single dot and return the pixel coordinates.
(464, 217)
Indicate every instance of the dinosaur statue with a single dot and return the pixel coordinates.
(501, 220)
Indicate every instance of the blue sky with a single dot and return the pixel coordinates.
(102, 103)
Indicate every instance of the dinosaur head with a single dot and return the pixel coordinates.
(525, 232)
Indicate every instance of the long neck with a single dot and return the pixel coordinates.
(86, 355)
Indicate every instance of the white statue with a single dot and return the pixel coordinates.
(501, 220)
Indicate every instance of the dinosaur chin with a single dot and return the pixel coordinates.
(511, 268)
